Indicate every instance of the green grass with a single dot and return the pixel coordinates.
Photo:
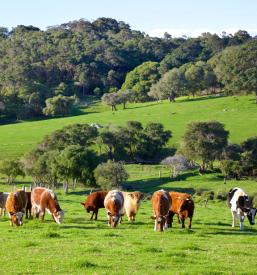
(239, 114)
(80, 246)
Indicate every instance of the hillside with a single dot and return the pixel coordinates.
(239, 114)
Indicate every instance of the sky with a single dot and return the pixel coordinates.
(154, 17)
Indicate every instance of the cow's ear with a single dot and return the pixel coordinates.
(83, 203)
(153, 217)
(141, 196)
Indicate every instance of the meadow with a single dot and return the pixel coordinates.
(239, 114)
(81, 246)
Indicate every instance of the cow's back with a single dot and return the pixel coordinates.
(114, 202)
(161, 203)
(16, 201)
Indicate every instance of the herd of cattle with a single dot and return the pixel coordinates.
(117, 203)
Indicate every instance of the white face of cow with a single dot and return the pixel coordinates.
(58, 216)
(251, 215)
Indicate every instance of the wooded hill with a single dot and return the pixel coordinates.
(48, 72)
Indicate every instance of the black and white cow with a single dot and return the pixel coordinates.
(240, 206)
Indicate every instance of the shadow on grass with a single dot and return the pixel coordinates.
(249, 232)
(138, 107)
(201, 98)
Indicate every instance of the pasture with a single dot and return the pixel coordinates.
(80, 246)
(239, 114)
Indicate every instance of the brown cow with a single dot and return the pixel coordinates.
(15, 205)
(183, 206)
(132, 203)
(94, 201)
(45, 199)
(161, 203)
(113, 204)
(29, 205)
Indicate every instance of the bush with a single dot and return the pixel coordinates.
(110, 174)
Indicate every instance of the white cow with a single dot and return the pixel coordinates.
(240, 206)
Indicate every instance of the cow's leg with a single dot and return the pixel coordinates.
(233, 213)
(190, 222)
(242, 223)
(42, 215)
(120, 219)
(109, 220)
(92, 215)
(171, 218)
(96, 214)
(183, 221)
(155, 225)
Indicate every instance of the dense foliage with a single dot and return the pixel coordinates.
(41, 70)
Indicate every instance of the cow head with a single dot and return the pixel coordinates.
(58, 216)
(251, 215)
(16, 218)
(136, 196)
(87, 207)
(113, 219)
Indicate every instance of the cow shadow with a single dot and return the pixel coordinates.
(249, 232)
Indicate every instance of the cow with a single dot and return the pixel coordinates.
(183, 206)
(45, 199)
(113, 203)
(240, 206)
(29, 206)
(131, 204)
(3, 198)
(94, 201)
(15, 205)
(161, 203)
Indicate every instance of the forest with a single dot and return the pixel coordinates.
(52, 72)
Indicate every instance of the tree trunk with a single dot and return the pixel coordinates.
(256, 97)
(124, 105)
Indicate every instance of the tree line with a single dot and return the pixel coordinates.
(49, 73)
(95, 157)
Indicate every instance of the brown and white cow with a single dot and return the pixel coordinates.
(183, 206)
(132, 203)
(15, 206)
(45, 199)
(94, 201)
(113, 204)
(161, 203)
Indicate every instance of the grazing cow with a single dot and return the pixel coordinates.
(29, 206)
(132, 203)
(161, 202)
(3, 198)
(94, 201)
(15, 205)
(45, 199)
(113, 204)
(240, 206)
(183, 206)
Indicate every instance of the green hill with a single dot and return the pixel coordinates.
(239, 114)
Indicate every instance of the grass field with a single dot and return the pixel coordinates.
(80, 246)
(239, 114)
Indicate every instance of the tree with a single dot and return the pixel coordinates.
(169, 86)
(111, 99)
(126, 96)
(110, 174)
(11, 168)
(249, 156)
(141, 79)
(177, 164)
(205, 142)
(236, 68)
(76, 163)
(59, 106)
(154, 138)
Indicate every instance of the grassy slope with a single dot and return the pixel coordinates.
(79, 246)
(239, 114)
